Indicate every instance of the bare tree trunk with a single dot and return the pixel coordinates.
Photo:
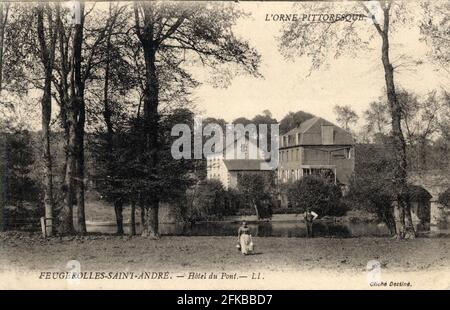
(401, 227)
(79, 184)
(152, 221)
(80, 188)
(62, 87)
(75, 116)
(47, 158)
(47, 56)
(390, 222)
(151, 119)
(66, 212)
(144, 221)
(142, 207)
(4, 10)
(78, 109)
(118, 209)
(133, 218)
(400, 172)
(65, 215)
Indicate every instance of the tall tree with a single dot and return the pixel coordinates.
(77, 115)
(73, 112)
(345, 116)
(47, 45)
(79, 58)
(32, 30)
(317, 39)
(377, 120)
(201, 30)
(112, 104)
(420, 118)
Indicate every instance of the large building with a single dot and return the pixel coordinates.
(226, 166)
(316, 147)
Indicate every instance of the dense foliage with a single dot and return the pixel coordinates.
(320, 194)
(257, 190)
(371, 187)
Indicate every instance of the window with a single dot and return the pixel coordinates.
(291, 140)
(340, 154)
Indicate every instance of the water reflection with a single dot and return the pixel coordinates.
(260, 229)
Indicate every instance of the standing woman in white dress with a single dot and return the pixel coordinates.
(245, 243)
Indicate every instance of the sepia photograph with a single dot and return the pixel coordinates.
(224, 145)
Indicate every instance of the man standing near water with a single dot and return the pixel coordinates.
(310, 216)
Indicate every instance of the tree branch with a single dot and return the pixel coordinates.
(375, 22)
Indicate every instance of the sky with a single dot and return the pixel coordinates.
(287, 85)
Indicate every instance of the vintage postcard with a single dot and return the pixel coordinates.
(225, 145)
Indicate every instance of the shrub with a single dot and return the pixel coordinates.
(257, 192)
(375, 196)
(25, 216)
(319, 194)
(208, 201)
(18, 172)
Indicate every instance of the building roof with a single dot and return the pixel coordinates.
(243, 164)
(304, 126)
(310, 133)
